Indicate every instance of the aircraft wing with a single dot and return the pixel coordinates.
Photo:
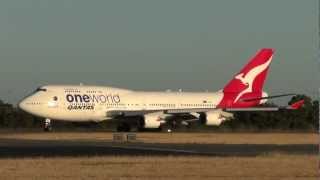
(121, 113)
(254, 109)
(115, 113)
(294, 106)
(267, 97)
(186, 111)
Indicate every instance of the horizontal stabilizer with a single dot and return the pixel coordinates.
(297, 105)
(294, 106)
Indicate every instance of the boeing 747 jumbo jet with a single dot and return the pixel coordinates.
(152, 109)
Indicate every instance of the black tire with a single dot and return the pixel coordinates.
(127, 128)
(165, 128)
(123, 127)
(141, 129)
(47, 129)
(119, 129)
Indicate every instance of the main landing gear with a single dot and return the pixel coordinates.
(123, 127)
(47, 125)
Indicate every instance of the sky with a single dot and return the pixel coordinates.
(155, 45)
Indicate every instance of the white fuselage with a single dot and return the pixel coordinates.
(92, 103)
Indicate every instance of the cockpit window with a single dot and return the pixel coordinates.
(41, 89)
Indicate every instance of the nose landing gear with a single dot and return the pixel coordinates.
(47, 125)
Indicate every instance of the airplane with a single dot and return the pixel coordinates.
(149, 110)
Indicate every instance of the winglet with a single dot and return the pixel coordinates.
(297, 105)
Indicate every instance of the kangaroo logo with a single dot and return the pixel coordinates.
(248, 78)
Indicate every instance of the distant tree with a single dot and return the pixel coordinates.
(304, 118)
(315, 119)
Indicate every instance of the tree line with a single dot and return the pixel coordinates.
(306, 118)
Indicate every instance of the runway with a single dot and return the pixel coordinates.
(59, 148)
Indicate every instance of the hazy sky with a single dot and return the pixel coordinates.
(155, 45)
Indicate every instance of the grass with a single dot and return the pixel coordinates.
(199, 138)
(270, 166)
(274, 166)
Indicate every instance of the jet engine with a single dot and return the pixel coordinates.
(151, 121)
(214, 118)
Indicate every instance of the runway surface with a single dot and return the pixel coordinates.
(57, 148)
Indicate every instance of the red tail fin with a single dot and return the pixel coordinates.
(248, 83)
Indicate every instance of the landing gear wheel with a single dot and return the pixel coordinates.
(47, 125)
(123, 127)
(166, 128)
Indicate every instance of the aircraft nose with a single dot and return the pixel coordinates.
(30, 105)
(22, 105)
(25, 105)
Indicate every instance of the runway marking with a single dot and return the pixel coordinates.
(157, 149)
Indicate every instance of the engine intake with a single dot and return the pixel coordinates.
(214, 118)
(151, 121)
